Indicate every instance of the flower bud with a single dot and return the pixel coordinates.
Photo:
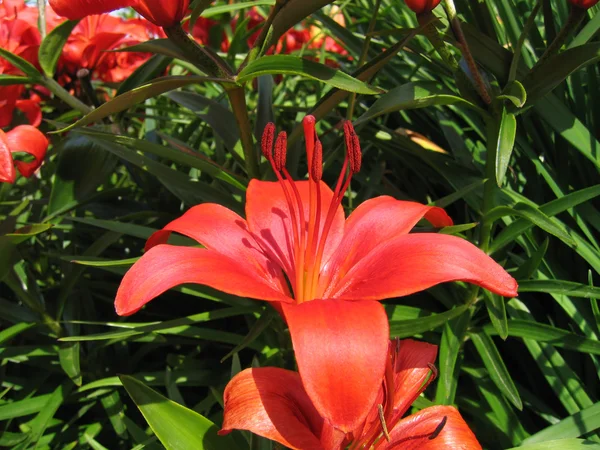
(583, 4)
(422, 6)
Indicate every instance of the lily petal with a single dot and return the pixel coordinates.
(415, 262)
(411, 365)
(222, 230)
(269, 219)
(272, 403)
(341, 350)
(28, 139)
(373, 222)
(7, 166)
(434, 428)
(32, 111)
(166, 266)
(162, 13)
(78, 9)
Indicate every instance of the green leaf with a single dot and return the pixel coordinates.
(52, 46)
(177, 427)
(292, 65)
(515, 93)
(137, 95)
(497, 312)
(456, 229)
(535, 216)
(561, 444)
(23, 65)
(69, 361)
(152, 68)
(412, 96)
(221, 9)
(507, 132)
(14, 330)
(495, 367)
(527, 329)
(26, 232)
(530, 266)
(544, 78)
(8, 80)
(408, 328)
(578, 424)
(561, 287)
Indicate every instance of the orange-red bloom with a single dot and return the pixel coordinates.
(585, 4)
(275, 404)
(422, 6)
(295, 247)
(23, 138)
(159, 12)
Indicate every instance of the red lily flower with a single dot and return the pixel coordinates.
(23, 138)
(273, 403)
(159, 12)
(295, 232)
(584, 4)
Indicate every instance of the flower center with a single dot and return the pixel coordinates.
(309, 236)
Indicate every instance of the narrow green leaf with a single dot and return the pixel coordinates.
(576, 425)
(69, 361)
(515, 93)
(562, 287)
(26, 232)
(177, 427)
(259, 326)
(412, 96)
(52, 46)
(506, 142)
(495, 366)
(8, 80)
(151, 69)
(115, 410)
(23, 65)
(408, 328)
(561, 444)
(557, 337)
(292, 65)
(456, 229)
(530, 266)
(497, 312)
(135, 96)
(14, 330)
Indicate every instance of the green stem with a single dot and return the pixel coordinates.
(576, 15)
(209, 62)
(460, 37)
(237, 98)
(363, 57)
(64, 95)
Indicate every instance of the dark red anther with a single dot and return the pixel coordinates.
(266, 143)
(280, 150)
(352, 147)
(316, 167)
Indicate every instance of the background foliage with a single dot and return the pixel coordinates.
(521, 371)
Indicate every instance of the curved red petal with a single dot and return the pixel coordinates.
(32, 111)
(341, 348)
(28, 139)
(414, 262)
(272, 403)
(162, 13)
(269, 219)
(375, 221)
(166, 266)
(434, 428)
(78, 9)
(222, 230)
(7, 166)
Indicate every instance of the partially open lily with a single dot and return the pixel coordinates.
(295, 247)
(273, 403)
(26, 139)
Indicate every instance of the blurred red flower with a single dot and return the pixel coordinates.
(422, 6)
(26, 139)
(585, 4)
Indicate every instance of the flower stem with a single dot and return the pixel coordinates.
(61, 93)
(259, 43)
(460, 37)
(576, 15)
(237, 98)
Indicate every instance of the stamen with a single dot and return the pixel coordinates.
(383, 424)
(266, 144)
(309, 136)
(316, 168)
(281, 151)
(352, 147)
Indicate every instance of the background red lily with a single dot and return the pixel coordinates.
(23, 138)
(159, 12)
(273, 403)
